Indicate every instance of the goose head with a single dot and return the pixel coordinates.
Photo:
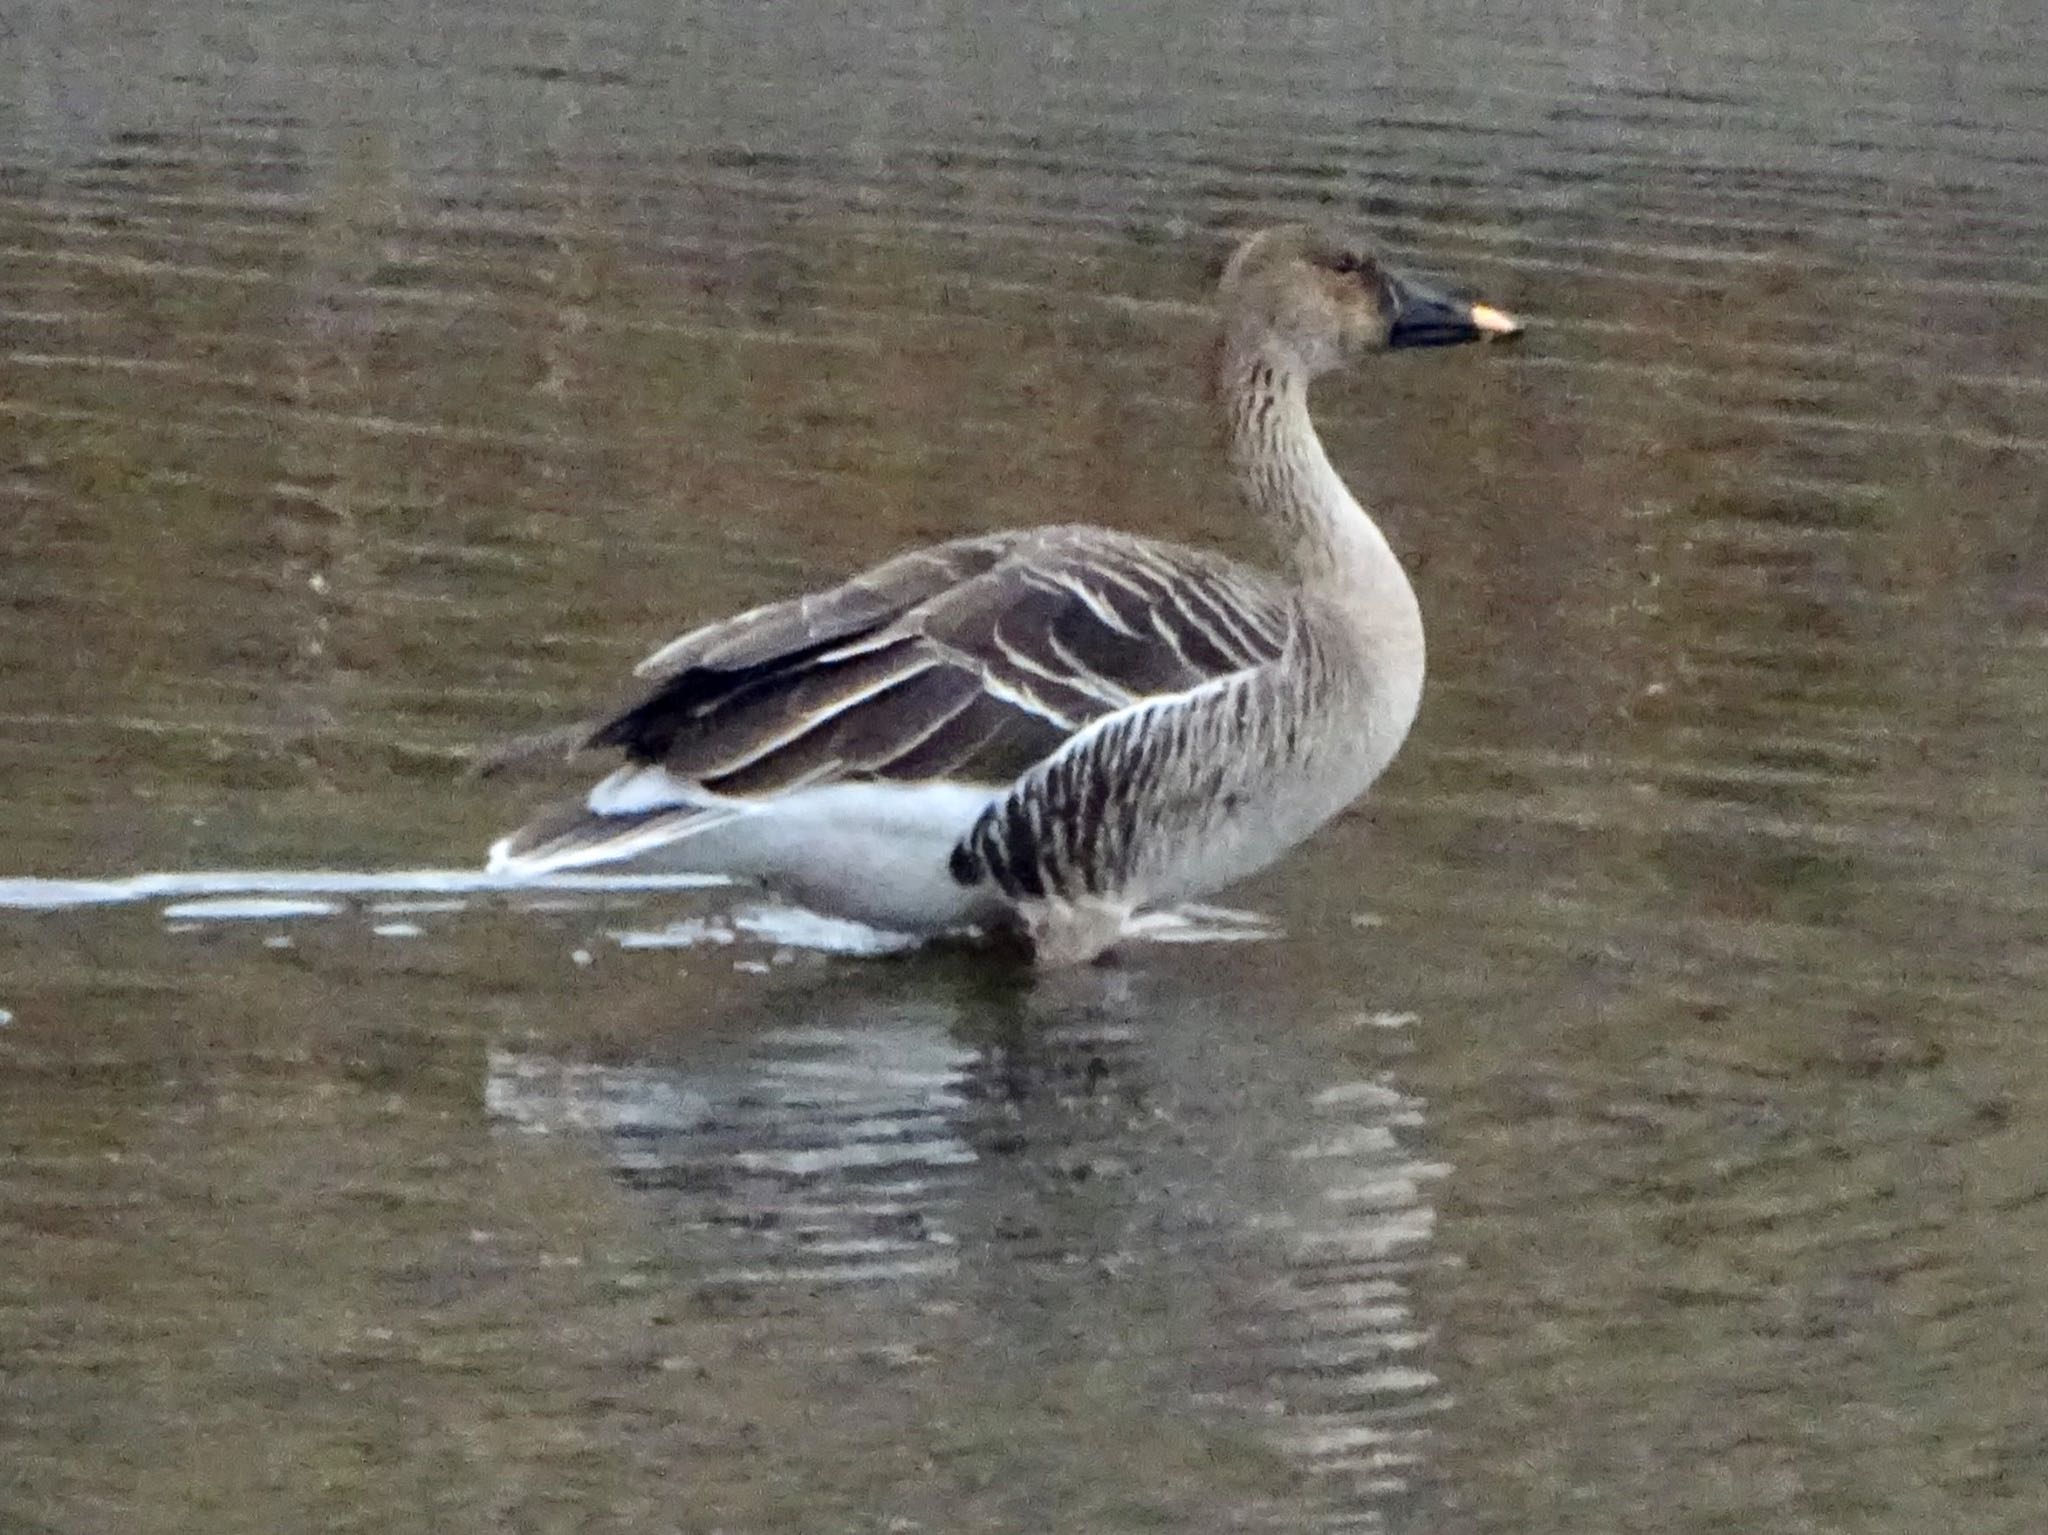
(1312, 302)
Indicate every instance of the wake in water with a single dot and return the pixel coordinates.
(63, 894)
(192, 898)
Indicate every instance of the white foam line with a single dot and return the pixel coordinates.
(1395, 1379)
(852, 1274)
(861, 1247)
(36, 894)
(1347, 1436)
(1196, 923)
(247, 909)
(1373, 1240)
(1350, 1299)
(795, 928)
(1356, 1351)
(941, 1151)
(689, 934)
(863, 1072)
(1377, 1094)
(1376, 1141)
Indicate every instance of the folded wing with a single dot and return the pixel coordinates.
(969, 662)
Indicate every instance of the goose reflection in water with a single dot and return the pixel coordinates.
(1052, 1184)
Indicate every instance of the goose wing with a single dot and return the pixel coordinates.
(971, 661)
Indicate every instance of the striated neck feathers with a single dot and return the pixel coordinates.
(1331, 546)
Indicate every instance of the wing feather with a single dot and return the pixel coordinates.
(810, 623)
(974, 660)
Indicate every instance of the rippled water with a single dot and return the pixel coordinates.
(1638, 1119)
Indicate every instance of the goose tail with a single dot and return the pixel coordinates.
(576, 838)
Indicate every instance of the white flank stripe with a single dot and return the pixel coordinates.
(641, 790)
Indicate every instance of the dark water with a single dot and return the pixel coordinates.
(1640, 1123)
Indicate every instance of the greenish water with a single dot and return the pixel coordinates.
(1638, 1122)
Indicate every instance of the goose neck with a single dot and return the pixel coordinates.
(1286, 478)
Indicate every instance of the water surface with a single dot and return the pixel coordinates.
(1638, 1121)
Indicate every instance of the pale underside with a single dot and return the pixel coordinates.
(973, 733)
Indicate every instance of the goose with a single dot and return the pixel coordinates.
(1055, 731)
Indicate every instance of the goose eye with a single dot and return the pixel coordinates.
(1354, 264)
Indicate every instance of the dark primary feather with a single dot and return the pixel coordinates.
(973, 661)
(777, 632)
